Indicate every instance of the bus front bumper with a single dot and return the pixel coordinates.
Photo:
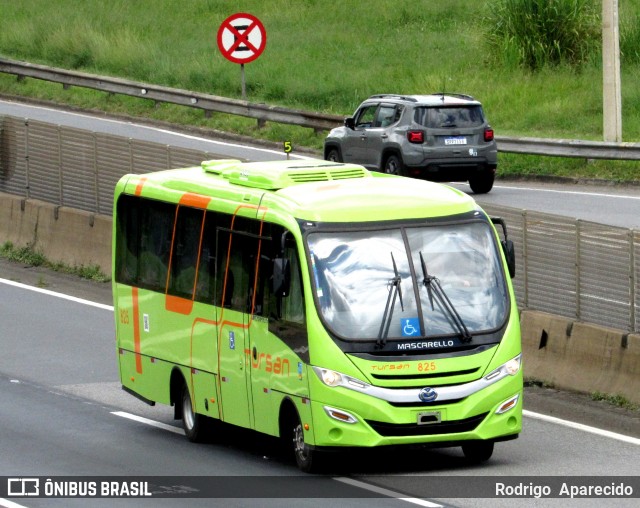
(492, 414)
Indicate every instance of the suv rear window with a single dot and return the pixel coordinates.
(449, 117)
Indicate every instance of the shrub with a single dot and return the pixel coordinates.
(538, 33)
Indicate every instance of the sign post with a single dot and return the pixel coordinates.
(241, 39)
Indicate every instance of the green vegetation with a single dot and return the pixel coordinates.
(538, 383)
(615, 400)
(536, 33)
(325, 58)
(30, 256)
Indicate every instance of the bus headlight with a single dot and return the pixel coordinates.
(330, 377)
(333, 378)
(511, 368)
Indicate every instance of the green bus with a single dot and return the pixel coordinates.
(317, 302)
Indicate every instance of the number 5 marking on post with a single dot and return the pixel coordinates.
(287, 147)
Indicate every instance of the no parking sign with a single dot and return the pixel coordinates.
(241, 38)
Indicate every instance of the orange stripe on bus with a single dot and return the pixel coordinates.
(136, 330)
(173, 237)
(178, 305)
(195, 200)
(141, 182)
(195, 282)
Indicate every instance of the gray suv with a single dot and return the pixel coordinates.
(441, 137)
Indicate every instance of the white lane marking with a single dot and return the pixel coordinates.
(57, 295)
(387, 492)
(164, 131)
(5, 503)
(578, 193)
(147, 421)
(530, 414)
(556, 191)
(225, 143)
(580, 426)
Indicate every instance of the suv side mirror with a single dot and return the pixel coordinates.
(281, 280)
(350, 123)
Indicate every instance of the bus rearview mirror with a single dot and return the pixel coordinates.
(510, 255)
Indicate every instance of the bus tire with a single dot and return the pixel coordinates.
(478, 452)
(308, 460)
(194, 424)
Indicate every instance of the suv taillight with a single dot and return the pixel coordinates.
(416, 136)
(488, 134)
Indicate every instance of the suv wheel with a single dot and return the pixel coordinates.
(482, 183)
(333, 155)
(393, 165)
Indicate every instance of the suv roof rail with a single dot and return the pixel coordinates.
(458, 95)
(393, 96)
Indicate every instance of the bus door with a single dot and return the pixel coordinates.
(234, 281)
(277, 335)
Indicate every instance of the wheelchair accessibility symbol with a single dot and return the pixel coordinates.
(410, 327)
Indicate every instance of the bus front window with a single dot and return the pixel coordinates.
(367, 281)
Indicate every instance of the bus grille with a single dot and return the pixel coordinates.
(465, 372)
(413, 429)
(426, 405)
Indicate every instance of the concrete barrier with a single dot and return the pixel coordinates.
(66, 235)
(580, 356)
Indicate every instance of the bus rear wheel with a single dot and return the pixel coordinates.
(193, 423)
(478, 452)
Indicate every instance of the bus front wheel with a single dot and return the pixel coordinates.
(478, 452)
(307, 459)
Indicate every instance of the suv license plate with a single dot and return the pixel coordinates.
(455, 140)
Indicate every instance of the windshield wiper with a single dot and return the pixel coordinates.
(394, 292)
(434, 289)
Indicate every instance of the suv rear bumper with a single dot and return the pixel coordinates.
(448, 170)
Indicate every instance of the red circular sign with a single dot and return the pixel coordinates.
(241, 38)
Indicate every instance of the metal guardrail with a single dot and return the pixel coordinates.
(317, 121)
(208, 103)
(570, 148)
(577, 269)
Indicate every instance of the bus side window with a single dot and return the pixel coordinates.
(156, 227)
(205, 284)
(289, 308)
(184, 257)
(127, 240)
(144, 234)
(236, 251)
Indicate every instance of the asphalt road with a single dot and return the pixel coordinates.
(607, 204)
(63, 414)
(615, 205)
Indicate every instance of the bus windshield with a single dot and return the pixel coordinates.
(379, 284)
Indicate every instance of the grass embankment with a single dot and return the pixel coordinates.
(320, 58)
(31, 257)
